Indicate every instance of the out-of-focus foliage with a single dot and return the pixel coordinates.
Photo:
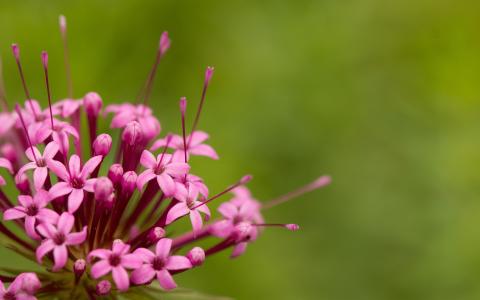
(382, 95)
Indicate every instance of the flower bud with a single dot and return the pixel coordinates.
(155, 234)
(93, 104)
(102, 144)
(103, 189)
(30, 283)
(79, 267)
(196, 256)
(22, 184)
(292, 227)
(133, 134)
(103, 288)
(9, 152)
(115, 174)
(129, 182)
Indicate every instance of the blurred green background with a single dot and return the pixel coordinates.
(382, 95)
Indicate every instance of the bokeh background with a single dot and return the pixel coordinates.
(382, 95)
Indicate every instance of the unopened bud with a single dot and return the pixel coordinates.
(103, 288)
(208, 75)
(133, 134)
(103, 189)
(129, 182)
(102, 144)
(93, 104)
(196, 256)
(79, 267)
(22, 184)
(164, 43)
(30, 283)
(8, 151)
(292, 227)
(115, 174)
(155, 234)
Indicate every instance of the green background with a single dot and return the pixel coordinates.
(382, 95)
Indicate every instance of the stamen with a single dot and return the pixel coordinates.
(3, 97)
(19, 112)
(242, 181)
(16, 53)
(63, 30)
(208, 77)
(163, 46)
(318, 183)
(45, 68)
(291, 227)
(183, 109)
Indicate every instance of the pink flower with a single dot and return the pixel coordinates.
(67, 107)
(125, 113)
(39, 163)
(161, 168)
(32, 210)
(194, 143)
(188, 204)
(193, 181)
(159, 264)
(5, 163)
(116, 261)
(23, 287)
(57, 238)
(75, 180)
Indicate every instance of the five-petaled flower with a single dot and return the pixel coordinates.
(39, 163)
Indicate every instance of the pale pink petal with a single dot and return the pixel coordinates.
(30, 227)
(47, 230)
(178, 210)
(89, 185)
(120, 248)
(131, 261)
(45, 247)
(61, 138)
(90, 166)
(122, 119)
(14, 213)
(158, 143)
(29, 153)
(100, 268)
(59, 169)
(75, 199)
(74, 165)
(166, 280)
(196, 220)
(197, 137)
(60, 256)
(50, 150)
(178, 262)
(145, 177)
(162, 249)
(77, 238)
(47, 215)
(42, 198)
(60, 189)
(39, 176)
(166, 183)
(177, 168)
(228, 210)
(204, 150)
(24, 168)
(5, 163)
(145, 255)
(239, 249)
(99, 253)
(120, 276)
(148, 160)
(143, 274)
(204, 209)
(65, 223)
(25, 200)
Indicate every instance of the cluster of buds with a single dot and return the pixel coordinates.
(97, 212)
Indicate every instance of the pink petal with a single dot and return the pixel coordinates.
(144, 254)
(74, 165)
(204, 209)
(158, 143)
(148, 160)
(162, 249)
(77, 238)
(204, 150)
(145, 177)
(60, 189)
(120, 276)
(60, 256)
(100, 269)
(47, 215)
(178, 210)
(222, 228)
(120, 248)
(47, 230)
(61, 138)
(177, 168)
(239, 249)
(75, 199)
(228, 210)
(43, 249)
(196, 220)
(65, 223)
(90, 166)
(121, 119)
(166, 280)
(27, 166)
(143, 274)
(41, 198)
(99, 253)
(131, 261)
(30, 227)
(29, 153)
(5, 163)
(25, 200)
(39, 177)
(166, 183)
(50, 150)
(14, 213)
(59, 169)
(197, 137)
(89, 185)
(178, 262)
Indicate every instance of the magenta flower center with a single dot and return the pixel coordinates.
(114, 260)
(32, 210)
(41, 162)
(77, 183)
(158, 263)
(59, 238)
(159, 169)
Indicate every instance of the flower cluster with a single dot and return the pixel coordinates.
(100, 208)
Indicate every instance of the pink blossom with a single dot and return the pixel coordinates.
(161, 168)
(193, 181)
(159, 264)
(188, 204)
(75, 180)
(125, 113)
(5, 163)
(33, 210)
(115, 261)
(23, 287)
(57, 238)
(38, 163)
(67, 107)
(194, 144)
